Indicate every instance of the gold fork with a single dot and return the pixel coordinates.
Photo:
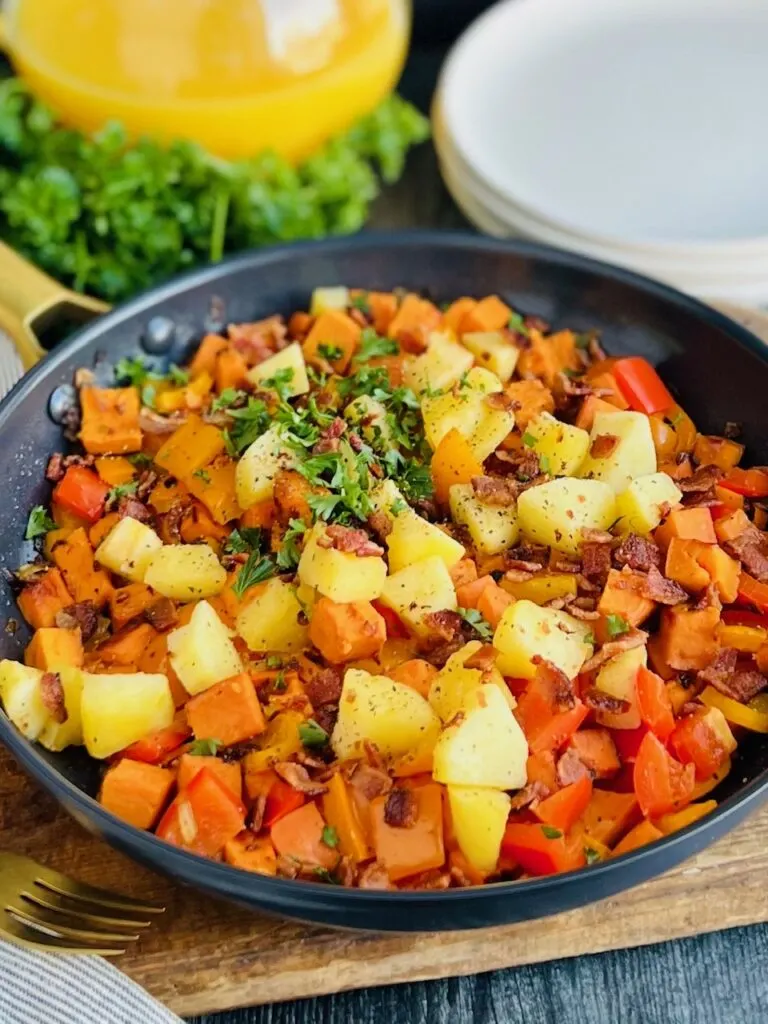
(44, 910)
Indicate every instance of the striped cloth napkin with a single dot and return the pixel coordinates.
(47, 988)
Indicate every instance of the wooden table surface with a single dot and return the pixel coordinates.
(715, 979)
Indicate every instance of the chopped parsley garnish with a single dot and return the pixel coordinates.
(398, 506)
(279, 684)
(250, 423)
(121, 491)
(592, 856)
(256, 570)
(330, 836)
(529, 440)
(204, 748)
(329, 352)
(289, 554)
(133, 372)
(372, 346)
(312, 735)
(551, 833)
(517, 324)
(473, 618)
(274, 661)
(203, 475)
(243, 540)
(140, 459)
(39, 523)
(229, 396)
(148, 396)
(281, 383)
(326, 876)
(178, 376)
(616, 625)
(362, 303)
(345, 474)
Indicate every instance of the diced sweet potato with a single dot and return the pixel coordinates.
(642, 834)
(336, 330)
(610, 815)
(41, 601)
(136, 792)
(126, 648)
(231, 370)
(623, 596)
(416, 673)
(205, 357)
(489, 314)
(346, 632)
(74, 556)
(229, 712)
(589, 408)
(597, 750)
(115, 470)
(454, 315)
(251, 853)
(110, 420)
(230, 774)
(414, 317)
(52, 648)
(687, 637)
(683, 566)
(531, 398)
(687, 524)
(194, 445)
(128, 603)
(549, 357)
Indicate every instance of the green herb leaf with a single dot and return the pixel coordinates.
(362, 303)
(250, 423)
(372, 346)
(551, 833)
(398, 506)
(592, 856)
(148, 395)
(474, 619)
(121, 491)
(39, 523)
(227, 397)
(616, 625)
(279, 684)
(329, 352)
(312, 735)
(202, 474)
(529, 440)
(517, 324)
(274, 661)
(177, 376)
(140, 459)
(133, 372)
(289, 554)
(330, 836)
(326, 876)
(204, 748)
(256, 570)
(246, 539)
(281, 383)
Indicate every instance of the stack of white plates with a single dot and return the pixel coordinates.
(629, 130)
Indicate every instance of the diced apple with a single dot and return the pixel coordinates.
(493, 351)
(412, 539)
(482, 746)
(555, 513)
(460, 408)
(444, 362)
(128, 549)
(324, 299)
(387, 498)
(202, 652)
(118, 710)
(641, 507)
(260, 464)
(289, 360)
(341, 575)
(633, 453)
(418, 590)
(493, 528)
(390, 715)
(479, 818)
(526, 630)
(561, 446)
(453, 686)
(618, 678)
(186, 572)
(272, 619)
(22, 699)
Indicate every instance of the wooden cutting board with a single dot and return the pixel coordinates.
(204, 955)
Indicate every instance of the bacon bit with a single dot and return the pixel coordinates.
(571, 768)
(751, 549)
(603, 446)
(146, 484)
(596, 558)
(690, 708)
(499, 400)
(368, 781)
(484, 658)
(400, 810)
(52, 696)
(256, 817)
(497, 491)
(518, 575)
(635, 638)
(530, 794)
(413, 342)
(596, 351)
(583, 614)
(561, 686)
(131, 508)
(258, 340)
(358, 316)
(288, 867)
(82, 616)
(354, 542)
(590, 536)
(639, 553)
(161, 614)
(329, 438)
(458, 876)
(326, 716)
(445, 624)
(380, 523)
(439, 651)
(297, 777)
(374, 876)
(704, 479)
(562, 563)
(738, 684)
(321, 685)
(658, 588)
(598, 700)
(587, 585)
(537, 323)
(429, 880)
(709, 599)
(152, 422)
(54, 471)
(522, 565)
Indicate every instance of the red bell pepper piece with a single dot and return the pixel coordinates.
(552, 734)
(564, 808)
(751, 591)
(82, 492)
(654, 704)
(396, 629)
(742, 617)
(662, 784)
(641, 386)
(545, 727)
(203, 817)
(542, 849)
(157, 746)
(704, 740)
(281, 800)
(752, 483)
(628, 741)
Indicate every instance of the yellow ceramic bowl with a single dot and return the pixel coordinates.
(237, 76)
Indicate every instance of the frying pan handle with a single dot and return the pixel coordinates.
(30, 299)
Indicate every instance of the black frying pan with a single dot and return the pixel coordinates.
(718, 370)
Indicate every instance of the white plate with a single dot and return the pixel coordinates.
(634, 121)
